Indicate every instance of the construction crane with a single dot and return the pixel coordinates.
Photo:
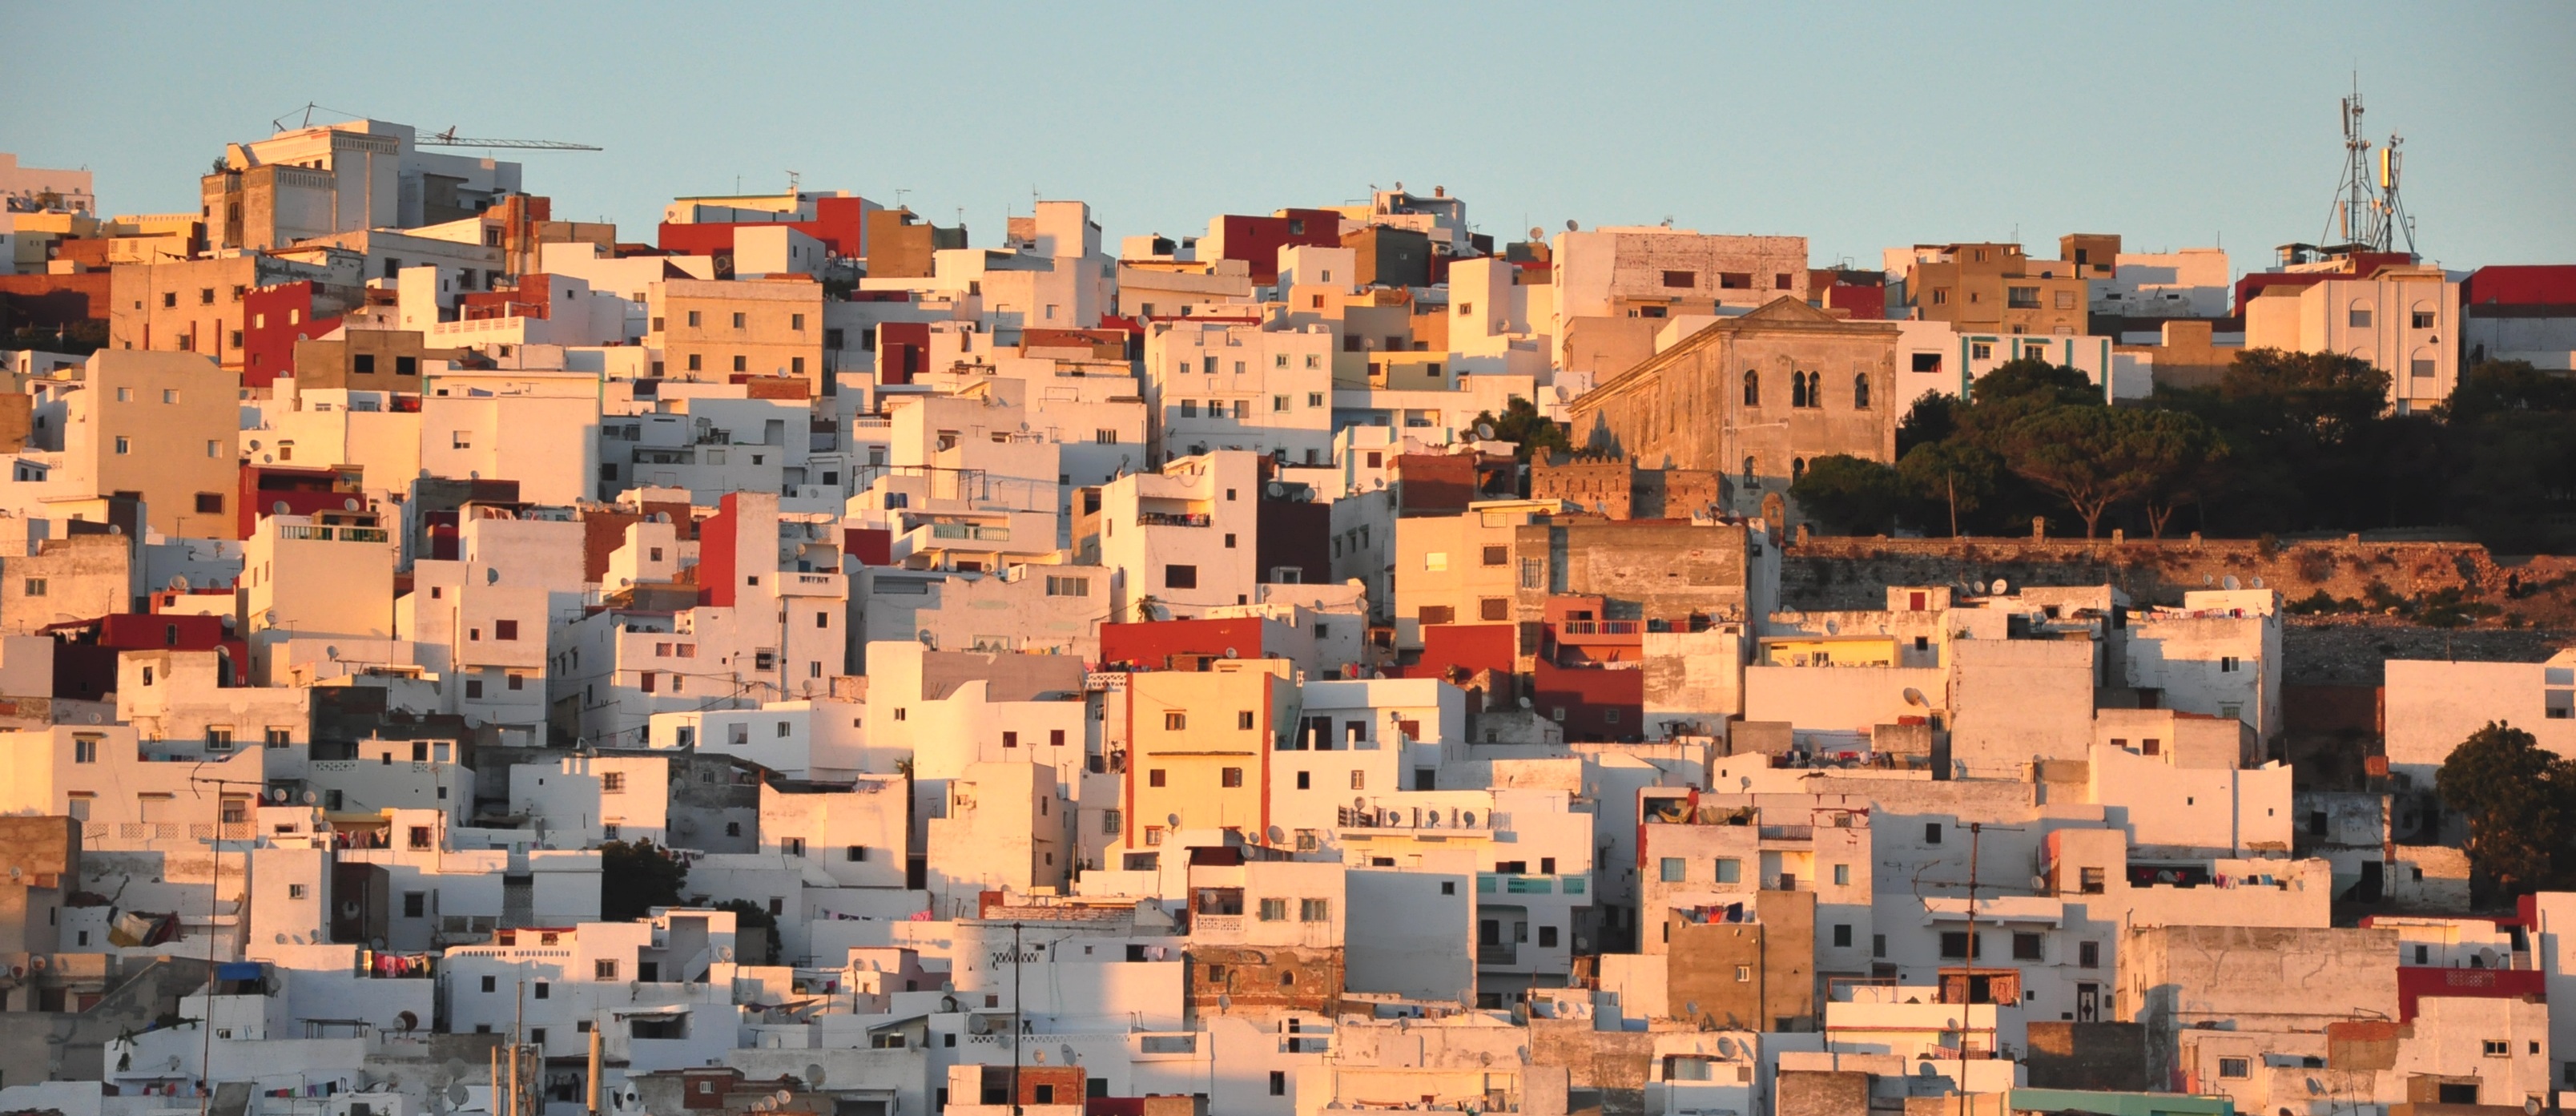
(449, 138)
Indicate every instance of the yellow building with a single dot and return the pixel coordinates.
(715, 329)
(1199, 747)
(1859, 650)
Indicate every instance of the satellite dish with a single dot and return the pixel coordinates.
(278, 508)
(1537, 233)
(333, 652)
(1275, 489)
(1229, 653)
(491, 575)
(1915, 697)
(1172, 820)
(1277, 834)
(927, 640)
(2000, 587)
(178, 583)
(350, 504)
(457, 1096)
(1359, 803)
(784, 1096)
(1725, 1045)
(2229, 581)
(1833, 627)
(230, 622)
(277, 794)
(1570, 226)
(814, 1075)
(1485, 431)
(2258, 582)
(310, 798)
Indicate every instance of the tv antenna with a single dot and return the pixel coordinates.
(449, 138)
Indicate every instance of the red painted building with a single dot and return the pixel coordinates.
(1257, 240)
(840, 223)
(1176, 644)
(273, 320)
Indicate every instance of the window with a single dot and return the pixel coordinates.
(693, 360)
(2090, 881)
(2231, 1067)
(1980, 350)
(1842, 935)
(2420, 368)
(1735, 280)
(1494, 609)
(2497, 1048)
(1180, 577)
(35, 587)
(1153, 835)
(123, 445)
(85, 749)
(1932, 833)
(2359, 316)
(604, 969)
(505, 629)
(1435, 561)
(1278, 1083)
(1155, 777)
(1729, 870)
(1175, 720)
(1314, 910)
(1860, 391)
(491, 984)
(1675, 869)
(1955, 945)
(1112, 822)
(1842, 875)
(1274, 910)
(2021, 298)
(2227, 664)
(1230, 777)
(210, 503)
(1243, 719)
(2088, 955)
(1359, 780)
(416, 905)
(219, 738)
(2025, 947)
(2066, 300)
(1752, 398)
(1681, 279)
(741, 364)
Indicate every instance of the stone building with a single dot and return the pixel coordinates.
(1755, 397)
(1617, 488)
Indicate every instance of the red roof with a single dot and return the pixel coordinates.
(2521, 284)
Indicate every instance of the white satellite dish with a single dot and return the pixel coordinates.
(2000, 587)
(1485, 430)
(178, 583)
(1725, 1047)
(278, 508)
(1275, 489)
(2229, 581)
(1229, 653)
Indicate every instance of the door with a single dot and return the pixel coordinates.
(2088, 1003)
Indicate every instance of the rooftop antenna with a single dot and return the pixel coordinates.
(795, 182)
(2367, 213)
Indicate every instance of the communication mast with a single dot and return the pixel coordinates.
(2367, 214)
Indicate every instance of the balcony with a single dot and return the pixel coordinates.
(1498, 953)
(332, 534)
(1171, 519)
(969, 532)
(1494, 883)
(1412, 818)
(1216, 924)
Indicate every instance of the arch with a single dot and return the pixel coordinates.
(1860, 391)
(2357, 314)
(1752, 389)
(1797, 469)
(1748, 470)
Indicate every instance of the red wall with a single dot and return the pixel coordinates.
(903, 348)
(268, 352)
(1154, 643)
(716, 572)
(2496, 984)
(837, 222)
(1588, 697)
(2524, 284)
(303, 491)
(872, 546)
(1257, 240)
(1472, 646)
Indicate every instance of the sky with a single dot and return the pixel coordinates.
(1859, 126)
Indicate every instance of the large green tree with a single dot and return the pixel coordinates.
(1854, 495)
(1529, 431)
(2092, 457)
(1954, 476)
(2520, 802)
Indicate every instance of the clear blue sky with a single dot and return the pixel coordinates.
(1859, 126)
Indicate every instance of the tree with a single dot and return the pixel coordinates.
(2034, 381)
(2180, 451)
(2520, 801)
(1934, 417)
(635, 877)
(748, 916)
(2091, 457)
(1528, 430)
(2507, 385)
(1951, 474)
(1854, 494)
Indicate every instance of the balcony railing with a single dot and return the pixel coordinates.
(328, 534)
(1599, 627)
(1172, 519)
(811, 585)
(1502, 954)
(1216, 924)
(970, 532)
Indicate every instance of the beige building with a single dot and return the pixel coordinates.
(197, 306)
(2404, 320)
(715, 329)
(1458, 569)
(163, 427)
(1756, 397)
(1995, 288)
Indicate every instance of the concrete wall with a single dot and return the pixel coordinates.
(1426, 954)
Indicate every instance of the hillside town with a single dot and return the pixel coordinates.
(801, 657)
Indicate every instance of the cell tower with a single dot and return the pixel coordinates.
(2368, 213)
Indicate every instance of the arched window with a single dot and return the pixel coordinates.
(1752, 398)
(1860, 391)
(1748, 471)
(1797, 388)
(1797, 470)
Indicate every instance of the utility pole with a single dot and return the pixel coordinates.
(1016, 1023)
(1967, 1005)
(214, 896)
(518, 1016)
